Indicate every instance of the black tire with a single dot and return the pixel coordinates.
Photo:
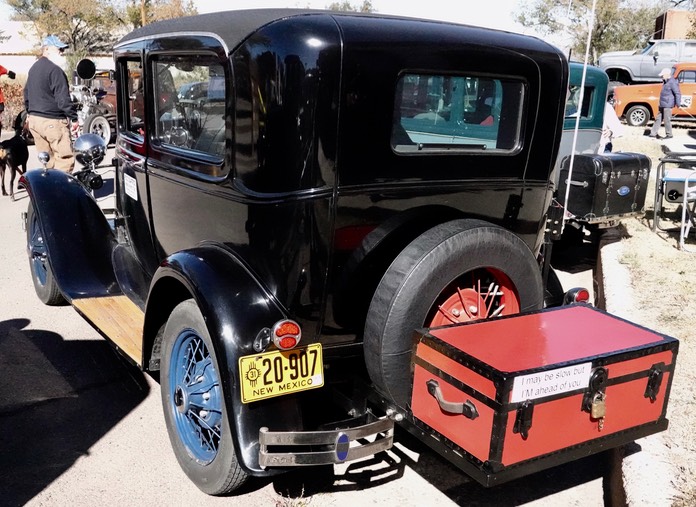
(41, 272)
(210, 462)
(637, 116)
(425, 272)
(98, 124)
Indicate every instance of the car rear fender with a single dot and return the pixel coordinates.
(236, 307)
(77, 235)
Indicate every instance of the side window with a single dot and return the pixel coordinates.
(687, 76)
(689, 51)
(189, 103)
(465, 113)
(573, 101)
(665, 49)
(135, 119)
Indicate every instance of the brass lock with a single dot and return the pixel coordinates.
(594, 400)
(598, 409)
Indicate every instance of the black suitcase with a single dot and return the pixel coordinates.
(604, 187)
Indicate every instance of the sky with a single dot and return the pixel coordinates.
(495, 13)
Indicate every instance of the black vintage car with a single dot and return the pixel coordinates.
(343, 180)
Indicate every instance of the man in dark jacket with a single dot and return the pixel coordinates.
(670, 96)
(47, 100)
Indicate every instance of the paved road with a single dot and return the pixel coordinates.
(80, 427)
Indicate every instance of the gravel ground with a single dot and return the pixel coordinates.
(654, 285)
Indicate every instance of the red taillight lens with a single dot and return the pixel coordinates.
(576, 295)
(286, 334)
(583, 296)
(287, 342)
(286, 327)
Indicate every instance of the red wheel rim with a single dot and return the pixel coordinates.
(482, 294)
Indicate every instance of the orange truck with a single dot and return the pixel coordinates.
(638, 104)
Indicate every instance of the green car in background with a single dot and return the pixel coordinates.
(602, 187)
(591, 113)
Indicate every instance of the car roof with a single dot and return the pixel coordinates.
(232, 27)
(235, 26)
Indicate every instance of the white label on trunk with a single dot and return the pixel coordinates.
(551, 382)
(131, 186)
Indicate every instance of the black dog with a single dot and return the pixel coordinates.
(13, 154)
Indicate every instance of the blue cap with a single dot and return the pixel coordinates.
(52, 40)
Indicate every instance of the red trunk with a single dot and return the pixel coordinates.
(541, 372)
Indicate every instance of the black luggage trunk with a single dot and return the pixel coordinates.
(604, 186)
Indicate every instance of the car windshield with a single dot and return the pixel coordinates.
(645, 49)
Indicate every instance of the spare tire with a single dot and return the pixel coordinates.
(458, 271)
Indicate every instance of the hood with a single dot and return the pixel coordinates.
(613, 54)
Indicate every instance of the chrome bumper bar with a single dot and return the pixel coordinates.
(324, 447)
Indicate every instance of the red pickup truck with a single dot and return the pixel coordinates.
(637, 104)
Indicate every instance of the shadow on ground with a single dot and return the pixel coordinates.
(389, 466)
(57, 398)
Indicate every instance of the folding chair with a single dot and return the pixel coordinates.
(676, 185)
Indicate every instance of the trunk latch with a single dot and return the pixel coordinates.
(523, 419)
(654, 381)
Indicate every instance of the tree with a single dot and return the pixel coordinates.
(93, 26)
(345, 5)
(88, 26)
(618, 24)
(143, 12)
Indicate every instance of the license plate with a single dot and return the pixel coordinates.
(280, 372)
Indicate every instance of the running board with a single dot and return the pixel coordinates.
(118, 319)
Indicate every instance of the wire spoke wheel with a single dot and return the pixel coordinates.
(45, 286)
(481, 294)
(458, 271)
(196, 398)
(194, 404)
(37, 251)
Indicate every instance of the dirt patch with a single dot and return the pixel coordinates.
(663, 279)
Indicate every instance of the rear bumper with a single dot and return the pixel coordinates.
(298, 448)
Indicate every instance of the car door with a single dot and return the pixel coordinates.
(687, 87)
(267, 219)
(131, 153)
(659, 56)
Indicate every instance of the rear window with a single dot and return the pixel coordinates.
(435, 113)
(573, 101)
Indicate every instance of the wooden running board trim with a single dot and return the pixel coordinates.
(118, 319)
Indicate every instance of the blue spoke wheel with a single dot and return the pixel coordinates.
(194, 405)
(41, 273)
(195, 396)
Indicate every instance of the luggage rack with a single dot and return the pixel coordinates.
(676, 186)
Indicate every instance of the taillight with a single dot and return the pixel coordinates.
(576, 295)
(286, 334)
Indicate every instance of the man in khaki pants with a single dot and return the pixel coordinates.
(50, 112)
